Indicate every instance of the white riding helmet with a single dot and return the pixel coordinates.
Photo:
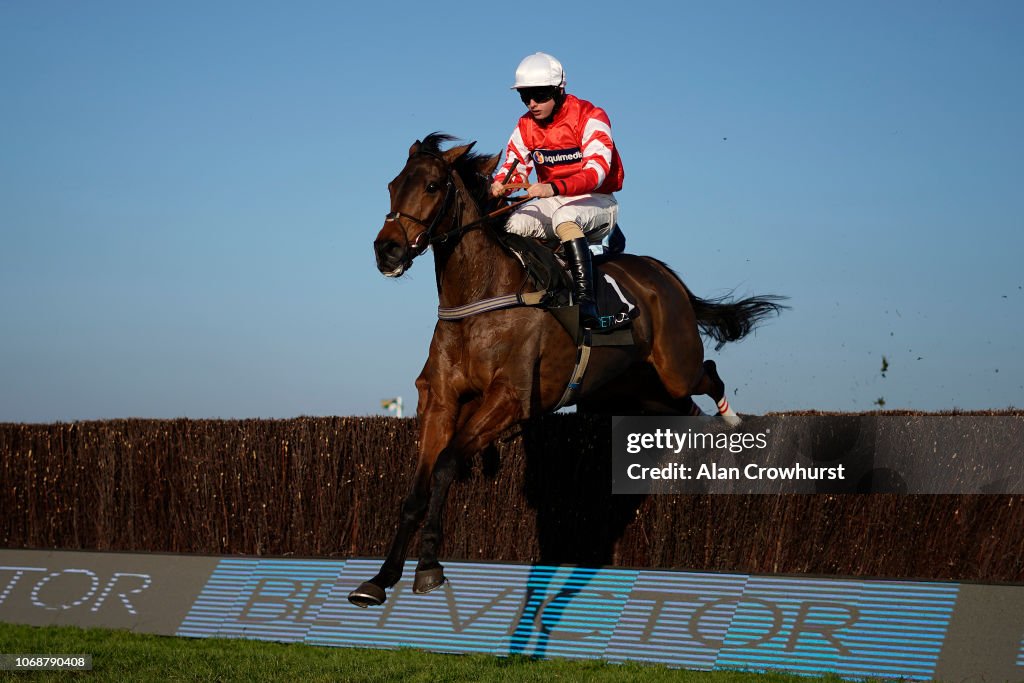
(539, 69)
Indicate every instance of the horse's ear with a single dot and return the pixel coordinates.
(455, 153)
(415, 147)
(486, 166)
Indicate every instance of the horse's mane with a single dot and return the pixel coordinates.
(466, 166)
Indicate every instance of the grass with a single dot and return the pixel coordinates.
(126, 656)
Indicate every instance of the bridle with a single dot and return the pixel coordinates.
(454, 188)
(451, 191)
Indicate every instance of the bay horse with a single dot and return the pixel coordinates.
(488, 372)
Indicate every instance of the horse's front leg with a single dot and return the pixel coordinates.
(436, 428)
(498, 410)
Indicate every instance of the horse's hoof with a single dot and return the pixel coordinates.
(427, 580)
(367, 595)
(732, 420)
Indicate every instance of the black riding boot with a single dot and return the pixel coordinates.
(577, 253)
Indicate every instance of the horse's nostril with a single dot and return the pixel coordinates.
(390, 254)
(385, 249)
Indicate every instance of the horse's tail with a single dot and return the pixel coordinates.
(725, 320)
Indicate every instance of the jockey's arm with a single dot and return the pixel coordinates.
(517, 166)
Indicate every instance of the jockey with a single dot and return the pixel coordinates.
(569, 143)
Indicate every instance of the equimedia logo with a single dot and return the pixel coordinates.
(556, 157)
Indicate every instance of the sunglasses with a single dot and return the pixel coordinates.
(538, 95)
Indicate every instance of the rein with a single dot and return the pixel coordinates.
(450, 191)
(500, 212)
(455, 188)
(480, 222)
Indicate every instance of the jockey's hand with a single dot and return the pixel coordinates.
(540, 190)
(497, 189)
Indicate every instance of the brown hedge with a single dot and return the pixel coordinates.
(332, 487)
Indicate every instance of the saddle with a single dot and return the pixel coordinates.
(549, 275)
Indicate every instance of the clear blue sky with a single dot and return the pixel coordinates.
(189, 191)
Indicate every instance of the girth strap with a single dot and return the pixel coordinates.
(485, 305)
(460, 312)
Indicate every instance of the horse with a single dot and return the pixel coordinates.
(488, 372)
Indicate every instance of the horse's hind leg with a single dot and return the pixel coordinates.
(710, 384)
(683, 376)
(676, 349)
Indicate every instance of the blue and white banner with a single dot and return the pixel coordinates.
(696, 620)
(692, 620)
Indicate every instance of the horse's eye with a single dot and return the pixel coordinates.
(432, 186)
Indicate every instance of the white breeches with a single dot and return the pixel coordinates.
(594, 213)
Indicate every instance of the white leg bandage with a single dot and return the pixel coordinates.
(727, 413)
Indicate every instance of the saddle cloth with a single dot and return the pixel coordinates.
(615, 311)
(548, 272)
